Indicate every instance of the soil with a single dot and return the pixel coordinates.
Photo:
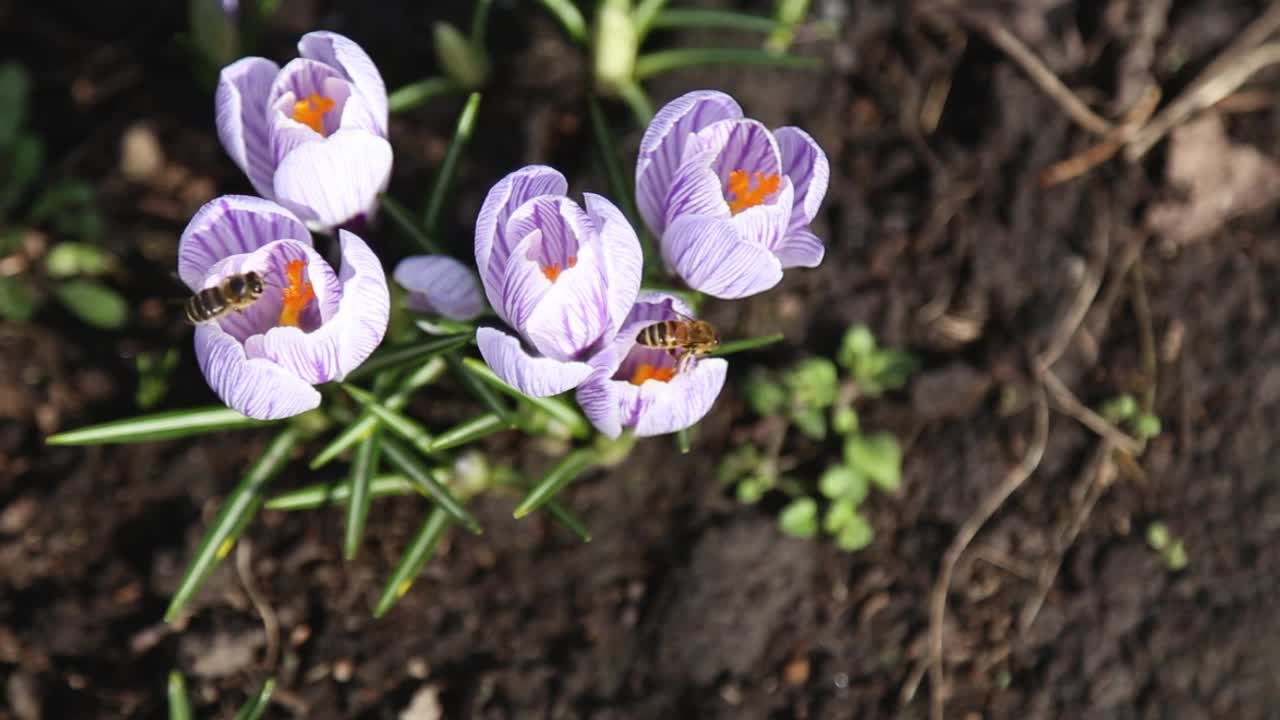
(940, 236)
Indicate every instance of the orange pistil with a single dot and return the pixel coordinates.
(296, 296)
(745, 196)
(552, 271)
(310, 111)
(649, 372)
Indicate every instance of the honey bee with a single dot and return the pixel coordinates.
(694, 337)
(235, 292)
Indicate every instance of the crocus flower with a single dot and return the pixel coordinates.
(311, 325)
(313, 135)
(439, 284)
(729, 200)
(230, 7)
(563, 276)
(638, 387)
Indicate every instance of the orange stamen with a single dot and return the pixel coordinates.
(573, 260)
(296, 296)
(649, 372)
(310, 111)
(552, 271)
(745, 196)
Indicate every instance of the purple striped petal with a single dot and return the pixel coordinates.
(257, 388)
(800, 248)
(269, 261)
(662, 148)
(240, 111)
(623, 260)
(806, 164)
(440, 284)
(344, 340)
(232, 225)
(524, 286)
(564, 225)
(695, 190)
(573, 313)
(745, 145)
(493, 243)
(333, 181)
(356, 66)
(766, 224)
(531, 375)
(301, 77)
(712, 258)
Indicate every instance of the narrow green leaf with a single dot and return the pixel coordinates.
(483, 392)
(161, 426)
(646, 14)
(565, 517)
(449, 166)
(319, 495)
(68, 259)
(737, 346)
(680, 18)
(469, 431)
(17, 303)
(443, 326)
(479, 22)
(559, 476)
(664, 61)
(637, 101)
(403, 219)
(363, 466)
(401, 425)
(419, 93)
(415, 557)
(14, 86)
(94, 303)
(179, 703)
(237, 510)
(405, 461)
(563, 412)
(619, 186)
(26, 160)
(361, 427)
(569, 17)
(683, 440)
(256, 705)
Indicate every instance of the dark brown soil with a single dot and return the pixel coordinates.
(688, 604)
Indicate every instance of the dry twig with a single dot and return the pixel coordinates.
(1067, 402)
(244, 568)
(1096, 154)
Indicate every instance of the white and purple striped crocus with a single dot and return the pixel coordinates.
(563, 276)
(439, 284)
(729, 200)
(313, 135)
(638, 388)
(310, 326)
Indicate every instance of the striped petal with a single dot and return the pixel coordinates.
(806, 165)
(440, 284)
(800, 248)
(336, 180)
(240, 112)
(493, 242)
(257, 388)
(232, 225)
(711, 257)
(356, 66)
(623, 259)
(573, 313)
(532, 375)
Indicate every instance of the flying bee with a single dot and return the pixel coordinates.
(694, 337)
(235, 292)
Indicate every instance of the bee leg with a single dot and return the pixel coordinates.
(683, 362)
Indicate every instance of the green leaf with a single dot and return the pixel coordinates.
(402, 219)
(94, 303)
(814, 383)
(562, 515)
(26, 160)
(1119, 409)
(739, 462)
(406, 428)
(61, 199)
(68, 259)
(811, 421)
(750, 490)
(569, 17)
(415, 557)
(839, 514)
(878, 456)
(1176, 556)
(885, 370)
(449, 166)
(161, 426)
(615, 43)
(483, 392)
(397, 357)
(406, 462)
(799, 518)
(681, 18)
(322, 494)
(179, 703)
(16, 301)
(1146, 426)
(213, 33)
(763, 395)
(465, 64)
(563, 412)
(752, 343)
(842, 481)
(683, 440)
(469, 431)
(664, 61)
(14, 91)
(363, 467)
(1158, 536)
(256, 705)
(856, 534)
(566, 470)
(858, 342)
(844, 420)
(153, 377)
(619, 184)
(420, 93)
(428, 373)
(237, 510)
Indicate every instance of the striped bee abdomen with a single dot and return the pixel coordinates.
(205, 305)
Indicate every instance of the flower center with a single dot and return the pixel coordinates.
(553, 270)
(648, 372)
(745, 196)
(310, 111)
(296, 296)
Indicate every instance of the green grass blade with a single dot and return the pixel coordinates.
(570, 19)
(683, 440)
(396, 357)
(678, 18)
(403, 219)
(362, 426)
(412, 561)
(363, 466)
(179, 703)
(737, 346)
(483, 391)
(645, 14)
(663, 61)
(479, 22)
(561, 411)
(161, 426)
(403, 426)
(405, 461)
(559, 476)
(237, 510)
(319, 495)
(419, 93)
(619, 185)
(469, 431)
(449, 166)
(562, 515)
(256, 705)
